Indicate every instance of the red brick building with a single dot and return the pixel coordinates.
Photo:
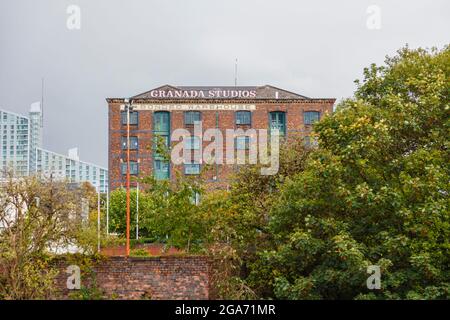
(158, 112)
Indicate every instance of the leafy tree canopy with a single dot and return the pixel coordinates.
(374, 193)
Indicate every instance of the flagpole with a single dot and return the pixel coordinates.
(137, 212)
(128, 180)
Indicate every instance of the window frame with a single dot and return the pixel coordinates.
(192, 145)
(237, 113)
(132, 147)
(284, 113)
(161, 132)
(246, 142)
(310, 112)
(165, 134)
(123, 168)
(123, 118)
(191, 164)
(166, 177)
(155, 140)
(186, 113)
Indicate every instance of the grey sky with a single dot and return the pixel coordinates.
(315, 48)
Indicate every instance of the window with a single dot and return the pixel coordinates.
(278, 121)
(134, 168)
(161, 122)
(191, 117)
(309, 117)
(161, 141)
(243, 117)
(161, 133)
(242, 143)
(133, 117)
(161, 169)
(192, 143)
(311, 141)
(191, 168)
(133, 143)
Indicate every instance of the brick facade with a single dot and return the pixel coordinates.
(266, 99)
(156, 278)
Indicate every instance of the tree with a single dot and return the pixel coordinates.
(168, 212)
(37, 218)
(117, 212)
(374, 193)
(238, 224)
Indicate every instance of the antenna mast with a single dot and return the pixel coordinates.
(42, 102)
(235, 72)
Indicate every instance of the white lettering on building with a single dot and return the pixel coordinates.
(188, 107)
(203, 94)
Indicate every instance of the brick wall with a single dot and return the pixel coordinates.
(223, 119)
(171, 277)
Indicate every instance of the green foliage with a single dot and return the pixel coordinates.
(117, 212)
(89, 289)
(39, 218)
(87, 293)
(238, 225)
(167, 213)
(374, 193)
(30, 280)
(139, 253)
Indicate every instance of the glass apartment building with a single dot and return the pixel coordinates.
(51, 164)
(36, 125)
(22, 153)
(14, 143)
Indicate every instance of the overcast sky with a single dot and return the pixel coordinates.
(315, 48)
